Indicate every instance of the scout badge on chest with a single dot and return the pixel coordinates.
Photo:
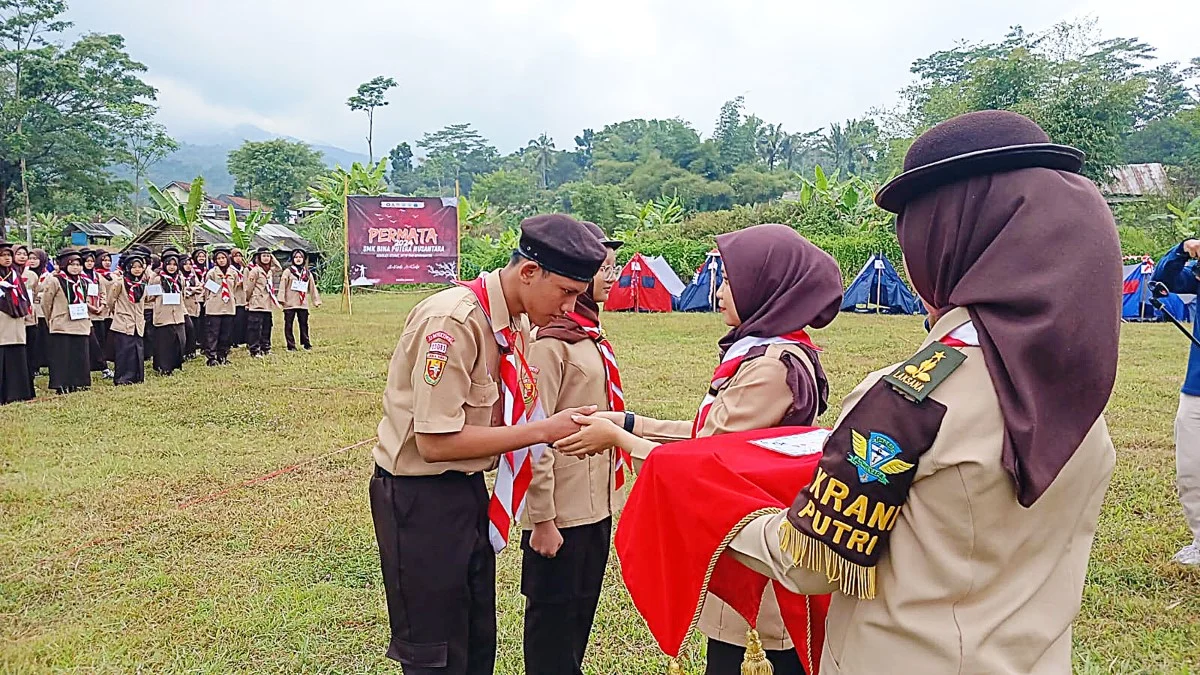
(435, 356)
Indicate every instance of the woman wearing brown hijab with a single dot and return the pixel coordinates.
(777, 285)
(954, 507)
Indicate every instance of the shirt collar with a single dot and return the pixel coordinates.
(947, 323)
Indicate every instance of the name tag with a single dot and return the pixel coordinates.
(212, 286)
(93, 290)
(78, 311)
(299, 286)
(154, 289)
(171, 299)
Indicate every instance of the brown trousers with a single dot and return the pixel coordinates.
(439, 571)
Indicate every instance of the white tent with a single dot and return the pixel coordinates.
(666, 275)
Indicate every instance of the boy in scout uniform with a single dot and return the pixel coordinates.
(459, 369)
(954, 506)
(571, 501)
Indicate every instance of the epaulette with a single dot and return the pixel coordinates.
(917, 377)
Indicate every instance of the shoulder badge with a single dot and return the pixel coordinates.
(875, 457)
(435, 356)
(917, 377)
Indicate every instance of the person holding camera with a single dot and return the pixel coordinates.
(1179, 272)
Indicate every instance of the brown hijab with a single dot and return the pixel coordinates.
(781, 282)
(1033, 256)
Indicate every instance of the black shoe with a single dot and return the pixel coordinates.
(213, 362)
(308, 348)
(291, 349)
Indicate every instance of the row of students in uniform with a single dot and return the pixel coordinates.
(83, 315)
(442, 389)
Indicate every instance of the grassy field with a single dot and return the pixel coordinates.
(133, 540)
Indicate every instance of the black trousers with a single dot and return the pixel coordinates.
(201, 334)
(258, 332)
(561, 595)
(218, 331)
(189, 336)
(239, 326)
(290, 315)
(439, 571)
(726, 659)
(130, 364)
(69, 359)
(16, 384)
(168, 348)
(39, 346)
(96, 344)
(148, 334)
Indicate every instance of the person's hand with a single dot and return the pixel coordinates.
(617, 418)
(1192, 248)
(596, 434)
(318, 303)
(546, 539)
(561, 424)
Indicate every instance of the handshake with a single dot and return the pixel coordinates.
(581, 432)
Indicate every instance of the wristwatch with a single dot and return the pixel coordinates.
(629, 419)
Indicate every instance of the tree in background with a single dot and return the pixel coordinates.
(515, 192)
(145, 143)
(185, 215)
(455, 154)
(542, 149)
(401, 161)
(278, 171)
(62, 107)
(325, 227)
(583, 148)
(369, 97)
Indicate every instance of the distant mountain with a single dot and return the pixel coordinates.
(205, 154)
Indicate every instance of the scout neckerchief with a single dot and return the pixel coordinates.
(301, 274)
(521, 406)
(732, 360)
(171, 283)
(612, 386)
(270, 285)
(226, 296)
(73, 288)
(16, 302)
(93, 277)
(841, 523)
(135, 287)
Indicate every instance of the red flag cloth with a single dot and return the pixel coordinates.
(686, 502)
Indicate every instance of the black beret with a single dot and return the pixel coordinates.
(562, 245)
(4, 243)
(66, 253)
(261, 250)
(221, 248)
(974, 144)
(172, 253)
(595, 229)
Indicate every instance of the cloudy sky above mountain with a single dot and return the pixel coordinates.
(516, 68)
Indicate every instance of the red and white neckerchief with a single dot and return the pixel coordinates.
(133, 287)
(16, 284)
(516, 467)
(76, 293)
(271, 288)
(301, 275)
(612, 389)
(93, 278)
(963, 336)
(733, 360)
(226, 296)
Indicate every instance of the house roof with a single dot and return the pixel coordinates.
(241, 203)
(113, 228)
(1137, 180)
(216, 231)
(186, 187)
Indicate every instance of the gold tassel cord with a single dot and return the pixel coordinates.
(852, 579)
(755, 662)
(674, 668)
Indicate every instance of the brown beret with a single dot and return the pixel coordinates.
(562, 245)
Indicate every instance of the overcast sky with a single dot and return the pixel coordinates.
(515, 68)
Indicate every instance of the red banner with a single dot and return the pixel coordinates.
(402, 240)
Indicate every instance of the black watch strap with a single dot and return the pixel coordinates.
(629, 419)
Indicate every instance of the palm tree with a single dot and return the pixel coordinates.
(542, 148)
(851, 148)
(797, 148)
(770, 144)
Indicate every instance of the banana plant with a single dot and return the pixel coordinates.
(186, 216)
(242, 234)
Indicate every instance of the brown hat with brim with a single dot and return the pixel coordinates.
(599, 232)
(974, 144)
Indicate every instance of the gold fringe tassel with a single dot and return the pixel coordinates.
(813, 554)
(673, 668)
(755, 662)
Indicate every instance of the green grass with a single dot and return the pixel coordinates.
(104, 572)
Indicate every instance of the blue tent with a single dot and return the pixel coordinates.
(701, 294)
(878, 289)
(1135, 298)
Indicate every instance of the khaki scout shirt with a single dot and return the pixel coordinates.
(756, 397)
(102, 311)
(56, 309)
(129, 317)
(971, 582)
(33, 283)
(213, 305)
(258, 297)
(192, 292)
(239, 286)
(165, 315)
(571, 491)
(442, 378)
(290, 298)
(12, 329)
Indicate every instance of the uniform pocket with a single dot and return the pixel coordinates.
(481, 405)
(419, 655)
